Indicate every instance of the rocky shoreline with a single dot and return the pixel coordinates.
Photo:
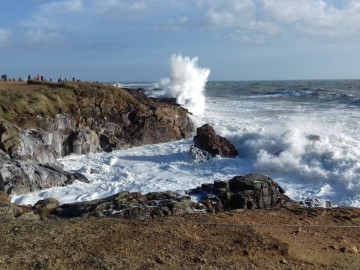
(58, 119)
(253, 191)
(203, 228)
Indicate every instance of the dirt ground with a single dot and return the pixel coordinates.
(287, 238)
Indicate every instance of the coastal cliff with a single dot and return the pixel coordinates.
(40, 122)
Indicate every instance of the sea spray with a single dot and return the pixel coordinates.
(186, 83)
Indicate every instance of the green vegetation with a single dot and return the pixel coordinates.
(39, 98)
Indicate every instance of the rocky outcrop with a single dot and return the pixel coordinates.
(79, 119)
(253, 191)
(92, 129)
(20, 177)
(207, 139)
(131, 205)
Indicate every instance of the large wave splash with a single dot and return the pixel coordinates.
(187, 83)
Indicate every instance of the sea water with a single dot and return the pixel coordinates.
(303, 134)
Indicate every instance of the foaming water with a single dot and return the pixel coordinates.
(303, 134)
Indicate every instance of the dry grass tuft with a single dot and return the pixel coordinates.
(43, 98)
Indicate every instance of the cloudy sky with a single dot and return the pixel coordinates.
(123, 40)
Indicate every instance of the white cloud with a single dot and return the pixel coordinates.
(241, 18)
(53, 16)
(62, 7)
(139, 5)
(244, 20)
(317, 18)
(261, 18)
(40, 38)
(4, 37)
(179, 24)
(121, 7)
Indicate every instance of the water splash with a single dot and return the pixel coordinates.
(186, 83)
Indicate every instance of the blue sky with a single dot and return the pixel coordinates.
(123, 40)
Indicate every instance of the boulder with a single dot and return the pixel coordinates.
(207, 139)
(199, 155)
(47, 207)
(20, 177)
(131, 206)
(253, 191)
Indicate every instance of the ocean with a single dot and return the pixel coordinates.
(303, 134)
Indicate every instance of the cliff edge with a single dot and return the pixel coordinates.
(40, 122)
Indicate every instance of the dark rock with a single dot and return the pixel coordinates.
(251, 191)
(131, 206)
(313, 137)
(218, 184)
(206, 139)
(242, 192)
(80, 177)
(312, 202)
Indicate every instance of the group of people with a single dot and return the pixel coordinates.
(38, 77)
(5, 78)
(59, 80)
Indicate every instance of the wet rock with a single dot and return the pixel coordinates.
(20, 177)
(253, 191)
(103, 118)
(313, 137)
(206, 139)
(199, 155)
(242, 192)
(312, 202)
(131, 206)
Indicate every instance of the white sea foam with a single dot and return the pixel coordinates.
(310, 149)
(186, 83)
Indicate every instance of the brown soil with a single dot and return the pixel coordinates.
(288, 238)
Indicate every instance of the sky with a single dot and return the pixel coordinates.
(123, 40)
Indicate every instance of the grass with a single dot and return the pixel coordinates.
(39, 98)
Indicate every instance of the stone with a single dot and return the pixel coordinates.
(102, 118)
(198, 155)
(206, 139)
(9, 138)
(47, 207)
(253, 191)
(29, 216)
(20, 177)
(130, 206)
